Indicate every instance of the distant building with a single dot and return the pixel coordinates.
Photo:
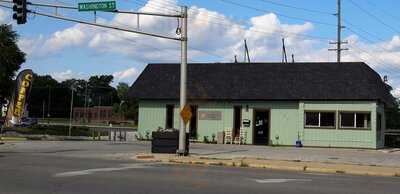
(93, 114)
(320, 104)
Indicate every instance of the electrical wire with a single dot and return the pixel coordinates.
(373, 16)
(279, 14)
(298, 8)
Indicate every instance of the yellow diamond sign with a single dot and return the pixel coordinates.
(186, 114)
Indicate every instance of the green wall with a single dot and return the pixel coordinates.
(339, 137)
(286, 121)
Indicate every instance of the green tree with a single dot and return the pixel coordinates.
(122, 90)
(11, 58)
(44, 81)
(393, 116)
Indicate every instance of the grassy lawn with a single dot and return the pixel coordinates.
(104, 123)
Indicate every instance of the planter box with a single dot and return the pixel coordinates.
(167, 142)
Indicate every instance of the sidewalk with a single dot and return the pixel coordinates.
(326, 160)
(384, 157)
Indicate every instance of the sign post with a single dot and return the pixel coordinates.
(97, 6)
(182, 100)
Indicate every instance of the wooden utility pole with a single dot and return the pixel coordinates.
(339, 41)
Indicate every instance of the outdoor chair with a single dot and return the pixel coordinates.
(228, 136)
(242, 136)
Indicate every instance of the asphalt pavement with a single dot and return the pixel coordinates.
(102, 167)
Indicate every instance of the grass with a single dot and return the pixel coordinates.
(13, 139)
(103, 123)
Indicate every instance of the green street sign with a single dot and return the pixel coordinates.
(97, 6)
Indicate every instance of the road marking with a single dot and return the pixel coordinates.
(317, 174)
(280, 180)
(91, 171)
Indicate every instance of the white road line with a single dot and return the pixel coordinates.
(316, 174)
(280, 180)
(91, 171)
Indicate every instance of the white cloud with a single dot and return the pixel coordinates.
(396, 92)
(128, 75)
(3, 16)
(215, 33)
(74, 36)
(61, 76)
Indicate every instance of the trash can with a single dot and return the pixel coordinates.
(167, 142)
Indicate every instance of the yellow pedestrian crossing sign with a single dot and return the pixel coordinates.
(186, 114)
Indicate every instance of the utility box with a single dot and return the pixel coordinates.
(167, 142)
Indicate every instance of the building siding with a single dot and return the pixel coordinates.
(339, 137)
(286, 121)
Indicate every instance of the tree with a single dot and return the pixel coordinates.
(101, 91)
(11, 58)
(122, 90)
(393, 116)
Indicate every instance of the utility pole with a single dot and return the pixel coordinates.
(70, 113)
(284, 56)
(43, 105)
(339, 41)
(184, 39)
(246, 52)
(85, 110)
(49, 103)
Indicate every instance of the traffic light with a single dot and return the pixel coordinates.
(19, 9)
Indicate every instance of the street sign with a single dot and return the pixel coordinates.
(97, 6)
(186, 114)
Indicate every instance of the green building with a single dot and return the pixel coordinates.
(320, 104)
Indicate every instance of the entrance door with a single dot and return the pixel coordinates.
(193, 123)
(237, 118)
(261, 127)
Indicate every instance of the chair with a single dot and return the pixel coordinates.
(228, 136)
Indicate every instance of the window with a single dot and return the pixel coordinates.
(170, 117)
(355, 120)
(320, 119)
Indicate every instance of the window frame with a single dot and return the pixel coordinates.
(319, 119)
(367, 128)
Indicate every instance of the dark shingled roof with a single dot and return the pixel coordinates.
(264, 81)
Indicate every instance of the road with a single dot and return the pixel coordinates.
(98, 167)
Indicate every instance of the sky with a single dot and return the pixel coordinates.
(216, 28)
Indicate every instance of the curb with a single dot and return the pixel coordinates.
(299, 166)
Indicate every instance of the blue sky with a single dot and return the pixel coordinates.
(216, 29)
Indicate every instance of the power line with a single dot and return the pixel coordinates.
(298, 8)
(373, 16)
(383, 49)
(257, 30)
(384, 11)
(362, 30)
(277, 13)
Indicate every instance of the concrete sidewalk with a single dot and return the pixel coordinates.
(326, 160)
(384, 157)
